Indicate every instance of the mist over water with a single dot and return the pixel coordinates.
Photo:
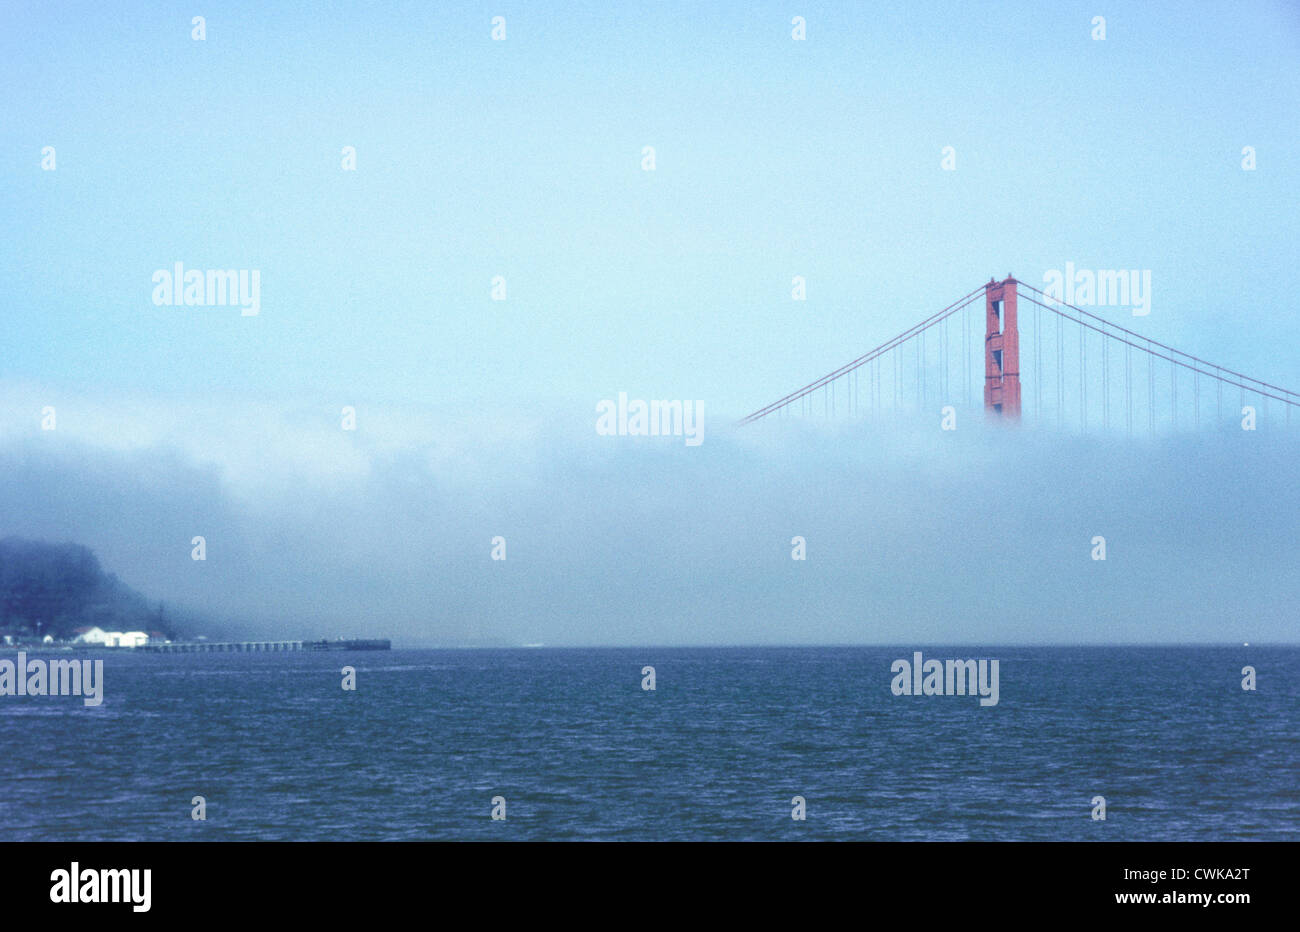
(913, 534)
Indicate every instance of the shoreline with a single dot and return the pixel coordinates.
(209, 647)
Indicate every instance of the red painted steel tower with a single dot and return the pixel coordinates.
(1001, 349)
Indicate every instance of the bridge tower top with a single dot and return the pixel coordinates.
(1001, 349)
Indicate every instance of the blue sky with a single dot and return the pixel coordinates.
(522, 158)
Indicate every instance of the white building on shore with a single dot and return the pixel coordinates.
(98, 635)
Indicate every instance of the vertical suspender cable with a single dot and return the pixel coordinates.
(1128, 387)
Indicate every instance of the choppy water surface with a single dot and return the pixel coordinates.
(717, 751)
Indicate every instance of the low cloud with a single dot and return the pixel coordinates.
(914, 536)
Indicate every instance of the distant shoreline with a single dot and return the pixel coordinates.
(209, 647)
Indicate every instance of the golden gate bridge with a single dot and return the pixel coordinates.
(1105, 370)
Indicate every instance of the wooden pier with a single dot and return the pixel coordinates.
(208, 647)
(236, 647)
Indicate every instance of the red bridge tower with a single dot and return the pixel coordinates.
(1001, 349)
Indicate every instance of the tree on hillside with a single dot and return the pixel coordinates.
(55, 588)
